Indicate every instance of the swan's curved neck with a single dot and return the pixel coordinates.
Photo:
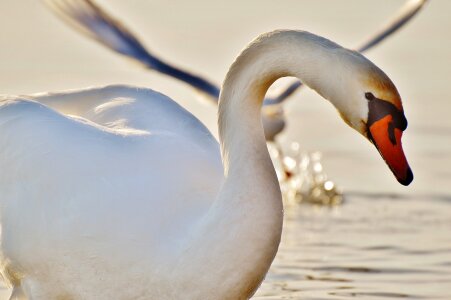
(236, 241)
(270, 57)
(248, 213)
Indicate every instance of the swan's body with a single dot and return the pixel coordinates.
(129, 199)
(121, 183)
(93, 21)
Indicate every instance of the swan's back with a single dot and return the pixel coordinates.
(121, 105)
(117, 186)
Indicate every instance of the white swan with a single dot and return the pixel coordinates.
(129, 199)
(93, 21)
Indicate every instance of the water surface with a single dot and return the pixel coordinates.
(372, 247)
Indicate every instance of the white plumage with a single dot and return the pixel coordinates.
(114, 179)
(120, 193)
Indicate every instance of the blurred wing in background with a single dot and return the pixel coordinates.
(91, 20)
(404, 15)
(94, 22)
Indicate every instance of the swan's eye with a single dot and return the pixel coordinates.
(369, 96)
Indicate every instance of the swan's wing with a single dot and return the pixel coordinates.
(42, 150)
(91, 20)
(72, 189)
(80, 102)
(404, 15)
(129, 109)
(123, 106)
(77, 164)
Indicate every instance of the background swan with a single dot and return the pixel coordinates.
(93, 21)
(97, 199)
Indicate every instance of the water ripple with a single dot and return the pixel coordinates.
(395, 247)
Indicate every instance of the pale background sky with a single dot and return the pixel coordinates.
(40, 53)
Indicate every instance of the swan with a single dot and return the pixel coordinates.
(93, 21)
(131, 197)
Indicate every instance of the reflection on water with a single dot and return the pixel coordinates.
(371, 247)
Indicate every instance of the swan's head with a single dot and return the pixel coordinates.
(369, 102)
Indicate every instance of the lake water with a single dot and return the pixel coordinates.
(385, 241)
(374, 246)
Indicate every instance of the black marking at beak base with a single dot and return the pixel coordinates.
(378, 109)
(391, 133)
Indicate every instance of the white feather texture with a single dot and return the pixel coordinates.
(120, 193)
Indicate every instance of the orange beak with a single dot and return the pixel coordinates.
(387, 140)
